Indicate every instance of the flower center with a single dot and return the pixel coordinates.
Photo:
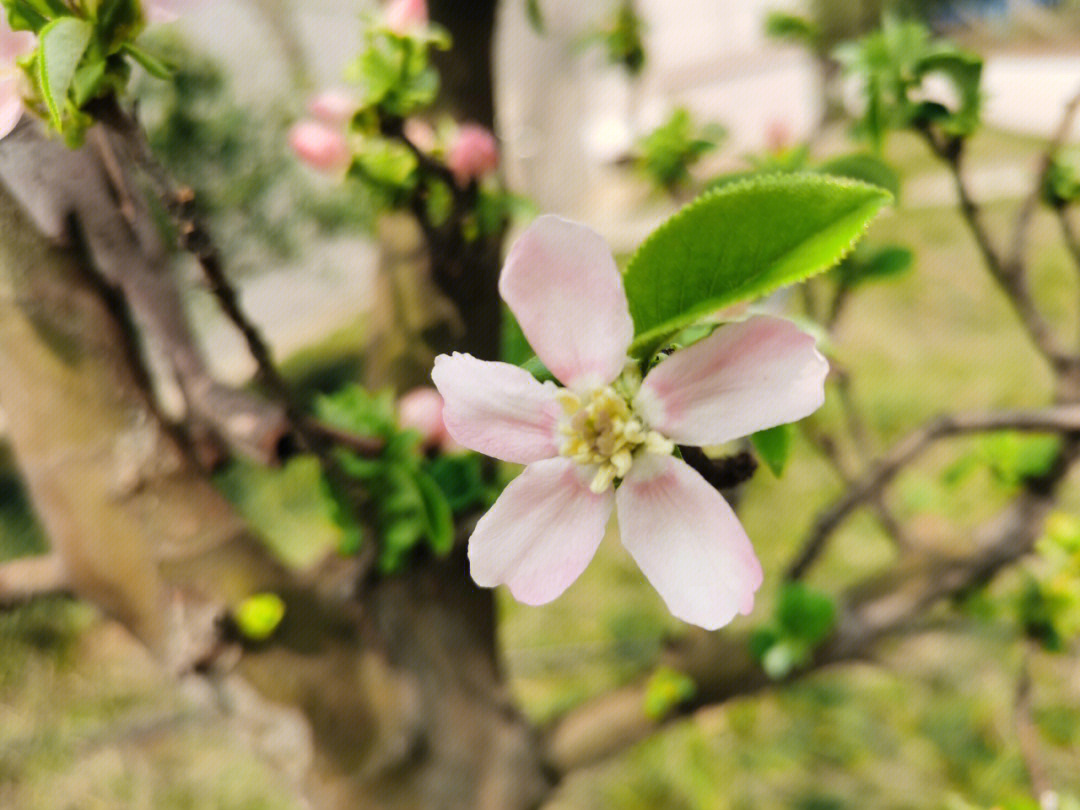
(602, 430)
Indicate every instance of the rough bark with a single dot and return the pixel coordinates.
(392, 694)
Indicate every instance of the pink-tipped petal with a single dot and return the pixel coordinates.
(11, 105)
(687, 542)
(743, 378)
(497, 409)
(561, 282)
(541, 532)
(320, 146)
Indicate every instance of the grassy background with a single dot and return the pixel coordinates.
(87, 722)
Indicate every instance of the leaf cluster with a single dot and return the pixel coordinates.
(84, 52)
(666, 155)
(410, 508)
(910, 80)
(1048, 604)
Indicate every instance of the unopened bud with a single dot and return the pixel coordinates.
(421, 409)
(334, 107)
(320, 146)
(403, 16)
(473, 154)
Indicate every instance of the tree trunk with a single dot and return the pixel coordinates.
(398, 684)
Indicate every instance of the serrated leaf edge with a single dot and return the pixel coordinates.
(774, 179)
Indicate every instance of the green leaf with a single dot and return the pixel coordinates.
(805, 614)
(875, 264)
(865, 167)
(774, 447)
(23, 15)
(666, 690)
(792, 27)
(258, 616)
(460, 477)
(741, 242)
(1014, 457)
(440, 520)
(355, 409)
(535, 15)
(119, 22)
(154, 66)
(88, 81)
(62, 45)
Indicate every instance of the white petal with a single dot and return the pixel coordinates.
(561, 282)
(743, 378)
(541, 532)
(497, 409)
(687, 541)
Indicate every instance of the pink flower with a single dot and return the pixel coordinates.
(402, 16)
(473, 153)
(608, 427)
(13, 44)
(422, 410)
(320, 146)
(334, 107)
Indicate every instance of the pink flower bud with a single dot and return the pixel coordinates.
(422, 410)
(404, 15)
(320, 146)
(473, 153)
(777, 136)
(334, 107)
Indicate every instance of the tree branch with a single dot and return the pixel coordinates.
(1046, 162)
(1055, 419)
(79, 197)
(722, 668)
(1009, 275)
(28, 578)
(1027, 733)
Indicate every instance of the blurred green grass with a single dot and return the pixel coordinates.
(88, 722)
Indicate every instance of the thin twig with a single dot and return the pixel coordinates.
(1027, 733)
(1010, 276)
(826, 446)
(1069, 235)
(1056, 419)
(1046, 162)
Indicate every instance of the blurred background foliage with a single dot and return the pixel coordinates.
(89, 722)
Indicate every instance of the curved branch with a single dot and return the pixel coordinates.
(1009, 275)
(1055, 419)
(1046, 161)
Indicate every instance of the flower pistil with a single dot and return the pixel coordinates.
(602, 431)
